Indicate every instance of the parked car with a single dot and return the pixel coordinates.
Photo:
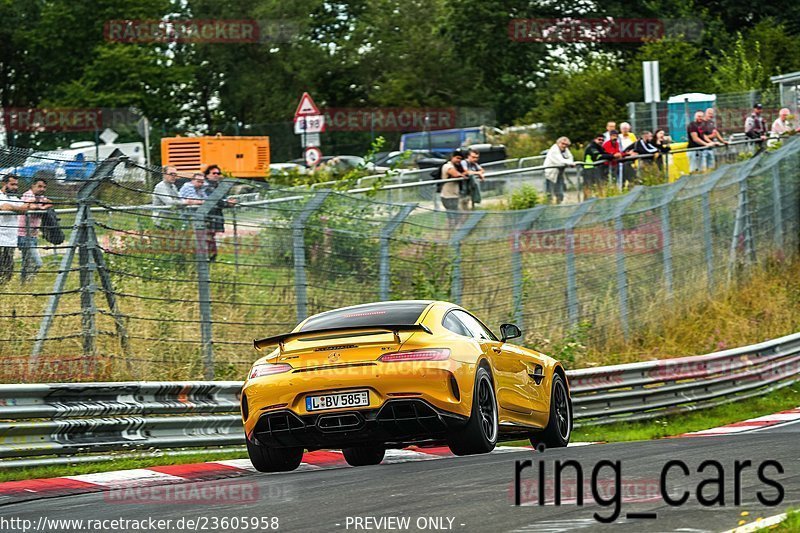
(79, 162)
(384, 161)
(443, 142)
(278, 168)
(335, 163)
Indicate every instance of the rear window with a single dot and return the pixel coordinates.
(368, 315)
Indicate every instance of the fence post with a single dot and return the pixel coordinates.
(455, 244)
(299, 250)
(622, 277)
(666, 234)
(516, 260)
(235, 222)
(743, 229)
(86, 272)
(76, 240)
(384, 288)
(572, 282)
(204, 275)
(108, 288)
(777, 207)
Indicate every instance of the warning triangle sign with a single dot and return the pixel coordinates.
(306, 106)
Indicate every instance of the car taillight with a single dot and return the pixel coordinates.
(267, 369)
(436, 354)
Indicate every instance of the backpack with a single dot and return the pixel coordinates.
(437, 175)
(51, 227)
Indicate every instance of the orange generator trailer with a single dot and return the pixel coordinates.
(240, 157)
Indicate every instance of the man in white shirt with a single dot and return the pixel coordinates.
(610, 126)
(9, 204)
(557, 159)
(781, 125)
(166, 193)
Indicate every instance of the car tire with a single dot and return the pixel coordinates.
(559, 425)
(266, 459)
(364, 455)
(481, 431)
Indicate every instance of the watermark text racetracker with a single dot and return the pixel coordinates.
(710, 483)
(13, 524)
(602, 30)
(200, 31)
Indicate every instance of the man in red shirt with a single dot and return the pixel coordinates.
(612, 147)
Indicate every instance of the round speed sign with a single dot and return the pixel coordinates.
(313, 156)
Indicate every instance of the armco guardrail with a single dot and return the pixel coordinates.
(67, 420)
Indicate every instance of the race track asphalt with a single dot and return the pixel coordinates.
(477, 493)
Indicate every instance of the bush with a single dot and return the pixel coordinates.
(524, 197)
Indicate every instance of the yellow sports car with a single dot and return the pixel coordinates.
(390, 374)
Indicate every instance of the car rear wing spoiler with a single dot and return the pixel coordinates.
(282, 338)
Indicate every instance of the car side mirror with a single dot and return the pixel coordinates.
(509, 331)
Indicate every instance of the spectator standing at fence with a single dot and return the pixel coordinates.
(697, 140)
(645, 147)
(28, 230)
(594, 172)
(626, 137)
(193, 191)
(611, 147)
(713, 135)
(556, 161)
(662, 142)
(474, 172)
(755, 127)
(216, 220)
(9, 224)
(627, 140)
(165, 193)
(451, 190)
(610, 126)
(781, 125)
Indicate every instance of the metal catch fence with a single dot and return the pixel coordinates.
(173, 293)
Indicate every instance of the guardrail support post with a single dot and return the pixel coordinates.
(516, 261)
(455, 244)
(384, 288)
(299, 249)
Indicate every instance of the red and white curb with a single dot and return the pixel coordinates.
(175, 474)
(749, 426)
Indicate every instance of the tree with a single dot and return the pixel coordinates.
(679, 66)
(740, 69)
(579, 104)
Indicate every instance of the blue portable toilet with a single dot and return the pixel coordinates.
(681, 109)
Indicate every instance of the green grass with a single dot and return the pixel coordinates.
(119, 464)
(790, 525)
(668, 426)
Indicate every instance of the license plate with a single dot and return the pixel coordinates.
(337, 401)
